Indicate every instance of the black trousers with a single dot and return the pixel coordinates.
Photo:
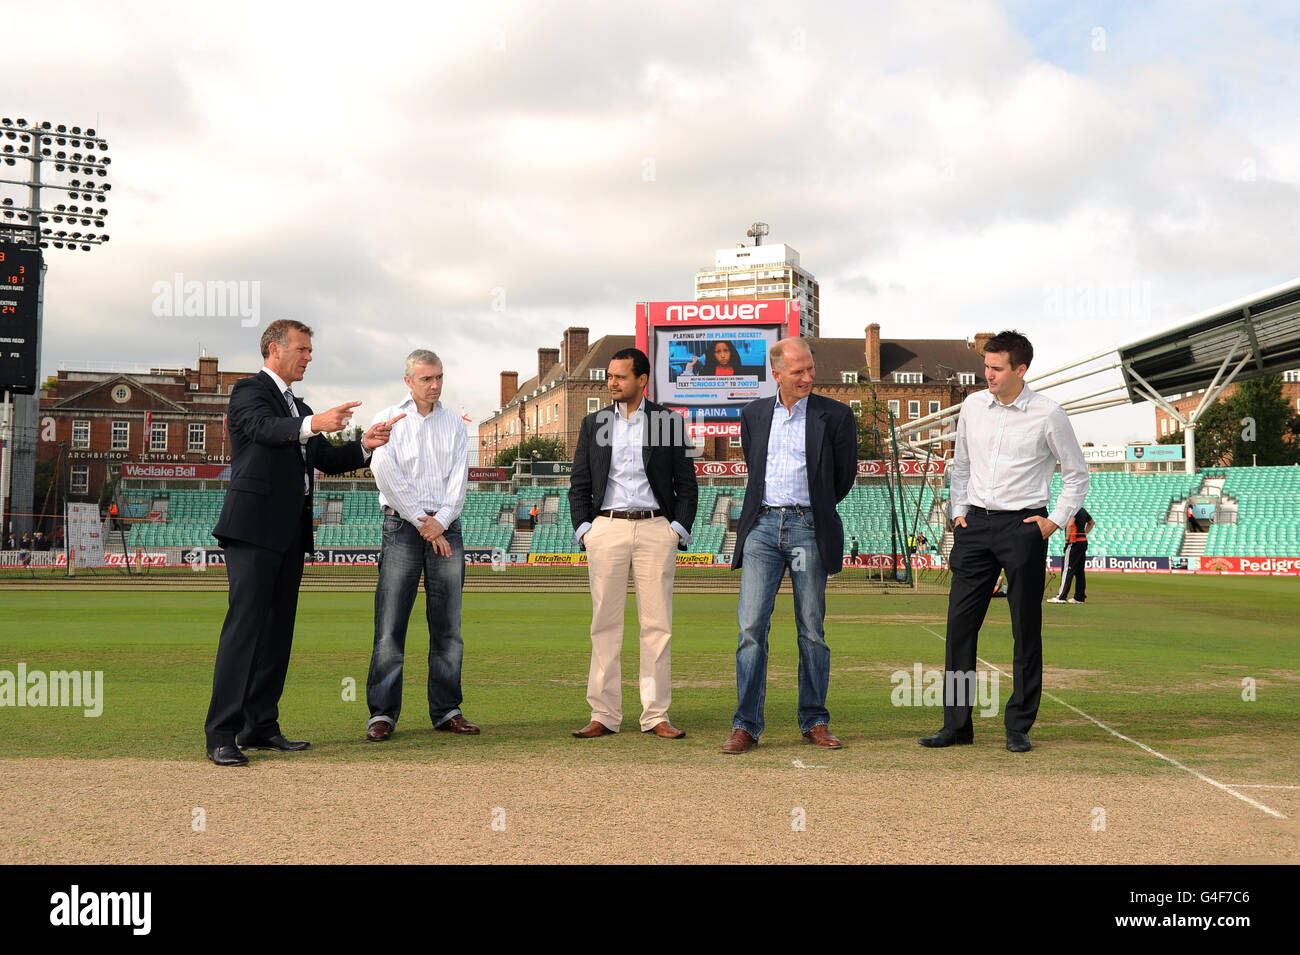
(991, 542)
(253, 655)
(1072, 571)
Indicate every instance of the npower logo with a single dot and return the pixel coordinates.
(737, 312)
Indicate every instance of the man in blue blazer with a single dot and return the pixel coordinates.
(802, 453)
(265, 528)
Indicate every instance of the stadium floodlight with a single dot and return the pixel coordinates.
(32, 160)
(37, 143)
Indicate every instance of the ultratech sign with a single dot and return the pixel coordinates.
(557, 558)
(20, 288)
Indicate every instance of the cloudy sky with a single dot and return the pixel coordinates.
(477, 177)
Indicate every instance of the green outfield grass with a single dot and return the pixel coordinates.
(1158, 658)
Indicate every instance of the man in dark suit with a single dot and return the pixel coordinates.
(632, 496)
(802, 454)
(265, 527)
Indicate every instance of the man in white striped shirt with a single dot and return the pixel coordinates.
(1009, 439)
(421, 477)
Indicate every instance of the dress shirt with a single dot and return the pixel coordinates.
(786, 479)
(423, 469)
(306, 433)
(628, 489)
(1006, 454)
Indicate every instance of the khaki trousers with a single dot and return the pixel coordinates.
(649, 549)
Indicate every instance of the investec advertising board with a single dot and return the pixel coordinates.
(709, 359)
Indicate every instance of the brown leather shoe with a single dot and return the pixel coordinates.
(665, 730)
(592, 730)
(458, 724)
(820, 735)
(379, 731)
(739, 742)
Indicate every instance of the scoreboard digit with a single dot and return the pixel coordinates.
(20, 280)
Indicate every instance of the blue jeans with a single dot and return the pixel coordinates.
(406, 555)
(780, 540)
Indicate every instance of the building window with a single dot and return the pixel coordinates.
(734, 441)
(1292, 375)
(158, 436)
(593, 404)
(121, 435)
(81, 434)
(914, 409)
(856, 406)
(121, 394)
(849, 377)
(598, 374)
(934, 407)
(966, 377)
(934, 433)
(198, 436)
(80, 483)
(893, 408)
(1164, 427)
(697, 442)
(908, 378)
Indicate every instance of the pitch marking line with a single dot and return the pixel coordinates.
(1168, 759)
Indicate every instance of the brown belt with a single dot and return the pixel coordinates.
(632, 515)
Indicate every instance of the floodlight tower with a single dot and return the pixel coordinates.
(757, 231)
(78, 161)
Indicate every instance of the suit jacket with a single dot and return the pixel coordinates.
(264, 502)
(663, 455)
(831, 444)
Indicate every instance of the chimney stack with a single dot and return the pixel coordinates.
(982, 339)
(575, 348)
(873, 351)
(207, 374)
(509, 385)
(546, 358)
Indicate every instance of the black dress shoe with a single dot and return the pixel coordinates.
(1018, 742)
(947, 737)
(227, 756)
(276, 742)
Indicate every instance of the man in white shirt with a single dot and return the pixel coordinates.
(632, 499)
(421, 476)
(1009, 439)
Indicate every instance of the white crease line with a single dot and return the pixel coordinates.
(1259, 786)
(1168, 759)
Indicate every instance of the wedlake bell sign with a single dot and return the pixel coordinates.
(177, 472)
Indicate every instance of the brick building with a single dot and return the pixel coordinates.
(99, 416)
(913, 377)
(1167, 424)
